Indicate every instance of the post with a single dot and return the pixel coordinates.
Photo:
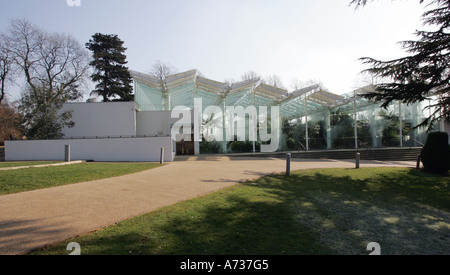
(400, 123)
(162, 156)
(328, 128)
(306, 119)
(224, 131)
(356, 123)
(358, 158)
(67, 153)
(418, 162)
(288, 164)
(255, 123)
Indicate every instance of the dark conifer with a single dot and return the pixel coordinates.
(425, 73)
(112, 76)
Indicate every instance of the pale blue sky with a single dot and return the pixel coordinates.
(295, 39)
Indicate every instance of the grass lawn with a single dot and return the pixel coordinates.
(24, 163)
(318, 211)
(14, 181)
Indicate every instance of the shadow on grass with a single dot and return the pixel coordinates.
(229, 225)
(406, 211)
(326, 211)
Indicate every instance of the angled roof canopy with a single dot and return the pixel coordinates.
(181, 89)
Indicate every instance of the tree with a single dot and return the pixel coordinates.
(422, 75)
(9, 122)
(250, 75)
(5, 66)
(54, 66)
(274, 80)
(298, 84)
(162, 70)
(114, 79)
(42, 118)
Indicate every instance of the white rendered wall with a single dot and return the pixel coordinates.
(113, 149)
(101, 119)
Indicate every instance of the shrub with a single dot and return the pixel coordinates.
(436, 153)
(212, 147)
(241, 146)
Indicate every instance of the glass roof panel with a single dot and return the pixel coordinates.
(182, 88)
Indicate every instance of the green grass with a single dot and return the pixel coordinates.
(319, 211)
(24, 163)
(14, 181)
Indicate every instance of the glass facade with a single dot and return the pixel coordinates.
(310, 118)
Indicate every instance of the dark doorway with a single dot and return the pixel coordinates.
(185, 148)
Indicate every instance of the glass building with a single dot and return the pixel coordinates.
(311, 118)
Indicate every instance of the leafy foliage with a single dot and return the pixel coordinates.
(212, 147)
(41, 114)
(9, 122)
(391, 130)
(425, 73)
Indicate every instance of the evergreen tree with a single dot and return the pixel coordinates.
(425, 73)
(114, 79)
(41, 115)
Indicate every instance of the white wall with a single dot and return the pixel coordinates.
(101, 119)
(112, 149)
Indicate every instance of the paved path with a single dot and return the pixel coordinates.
(30, 220)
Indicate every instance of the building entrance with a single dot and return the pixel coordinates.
(185, 148)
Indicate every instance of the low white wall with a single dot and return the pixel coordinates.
(113, 149)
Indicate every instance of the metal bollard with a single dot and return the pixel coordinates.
(162, 156)
(418, 162)
(288, 164)
(67, 153)
(358, 158)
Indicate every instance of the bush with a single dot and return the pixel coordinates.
(436, 153)
(212, 147)
(244, 146)
(241, 146)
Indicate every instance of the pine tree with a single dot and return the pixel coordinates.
(114, 79)
(425, 73)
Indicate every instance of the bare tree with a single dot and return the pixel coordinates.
(299, 84)
(5, 66)
(229, 82)
(22, 39)
(54, 66)
(162, 70)
(274, 80)
(55, 61)
(250, 75)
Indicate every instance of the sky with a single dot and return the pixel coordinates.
(302, 40)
